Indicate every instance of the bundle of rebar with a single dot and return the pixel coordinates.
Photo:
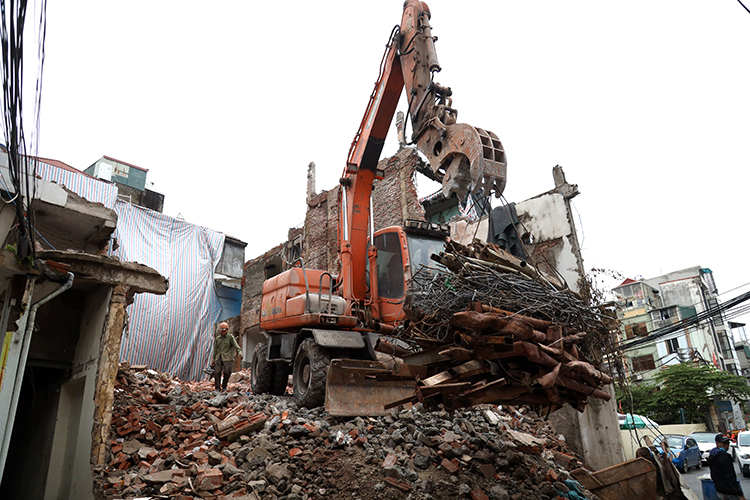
(488, 328)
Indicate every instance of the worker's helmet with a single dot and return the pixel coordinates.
(224, 326)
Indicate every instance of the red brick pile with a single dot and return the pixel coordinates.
(151, 429)
(201, 444)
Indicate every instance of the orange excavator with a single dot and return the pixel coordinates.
(310, 317)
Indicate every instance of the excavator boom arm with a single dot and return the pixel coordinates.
(464, 158)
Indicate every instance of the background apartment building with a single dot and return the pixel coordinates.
(676, 318)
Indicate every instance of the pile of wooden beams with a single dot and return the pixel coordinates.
(491, 329)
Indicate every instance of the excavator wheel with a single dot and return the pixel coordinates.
(280, 379)
(310, 371)
(261, 371)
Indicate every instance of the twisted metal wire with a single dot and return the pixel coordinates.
(438, 293)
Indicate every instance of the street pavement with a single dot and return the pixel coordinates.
(693, 479)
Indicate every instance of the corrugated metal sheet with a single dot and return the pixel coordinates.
(83, 185)
(171, 333)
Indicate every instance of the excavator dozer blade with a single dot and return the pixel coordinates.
(353, 388)
(465, 159)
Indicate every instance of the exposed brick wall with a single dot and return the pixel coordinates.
(253, 276)
(294, 232)
(321, 231)
(394, 199)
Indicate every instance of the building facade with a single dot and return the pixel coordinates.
(647, 306)
(668, 320)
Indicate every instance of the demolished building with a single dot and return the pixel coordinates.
(544, 223)
(64, 319)
(58, 371)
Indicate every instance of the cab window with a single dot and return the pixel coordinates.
(390, 266)
(420, 250)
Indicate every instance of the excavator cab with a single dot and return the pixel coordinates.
(403, 261)
(403, 254)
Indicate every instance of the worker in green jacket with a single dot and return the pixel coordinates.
(225, 350)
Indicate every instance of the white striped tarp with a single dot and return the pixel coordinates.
(172, 333)
(87, 187)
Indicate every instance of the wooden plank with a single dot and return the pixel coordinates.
(469, 369)
(458, 353)
(425, 357)
(440, 378)
(480, 390)
(554, 337)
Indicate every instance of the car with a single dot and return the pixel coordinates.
(684, 451)
(743, 452)
(706, 442)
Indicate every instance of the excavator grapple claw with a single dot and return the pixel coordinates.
(465, 159)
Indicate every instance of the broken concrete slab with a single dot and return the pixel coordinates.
(160, 477)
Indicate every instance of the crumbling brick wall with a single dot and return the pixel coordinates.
(320, 238)
(253, 276)
(394, 200)
(395, 197)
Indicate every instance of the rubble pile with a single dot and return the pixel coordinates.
(180, 440)
(489, 328)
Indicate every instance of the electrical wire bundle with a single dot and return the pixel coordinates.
(22, 168)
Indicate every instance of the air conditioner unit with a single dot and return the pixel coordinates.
(638, 376)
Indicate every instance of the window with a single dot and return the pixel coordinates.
(643, 363)
(295, 249)
(629, 332)
(390, 266)
(690, 442)
(636, 329)
(420, 250)
(672, 345)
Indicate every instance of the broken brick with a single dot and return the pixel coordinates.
(449, 466)
(487, 470)
(398, 483)
(209, 479)
(478, 494)
(390, 461)
(552, 476)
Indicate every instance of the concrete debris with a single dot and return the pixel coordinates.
(266, 448)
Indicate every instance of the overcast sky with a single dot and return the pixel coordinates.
(645, 104)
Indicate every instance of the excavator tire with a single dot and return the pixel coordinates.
(261, 371)
(280, 379)
(310, 371)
